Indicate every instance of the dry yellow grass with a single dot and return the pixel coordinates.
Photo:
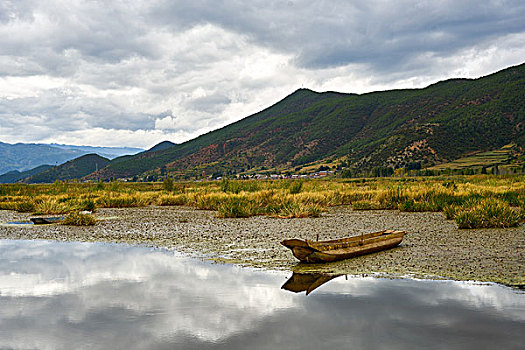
(282, 198)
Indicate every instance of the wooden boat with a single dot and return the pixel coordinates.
(47, 220)
(339, 249)
(306, 282)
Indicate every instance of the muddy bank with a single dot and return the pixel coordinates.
(433, 248)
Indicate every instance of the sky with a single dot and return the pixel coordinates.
(135, 73)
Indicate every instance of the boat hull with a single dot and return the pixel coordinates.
(334, 250)
(47, 220)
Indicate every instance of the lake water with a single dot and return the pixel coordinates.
(106, 296)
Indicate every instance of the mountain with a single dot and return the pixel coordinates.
(397, 128)
(73, 169)
(161, 146)
(106, 152)
(25, 156)
(148, 153)
(15, 175)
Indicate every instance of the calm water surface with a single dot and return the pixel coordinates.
(88, 296)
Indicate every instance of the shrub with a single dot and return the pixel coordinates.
(8, 205)
(235, 207)
(87, 205)
(392, 198)
(411, 205)
(299, 210)
(170, 199)
(25, 207)
(167, 184)
(210, 201)
(237, 186)
(488, 213)
(514, 198)
(226, 185)
(364, 205)
(52, 205)
(296, 187)
(78, 219)
(450, 212)
(124, 201)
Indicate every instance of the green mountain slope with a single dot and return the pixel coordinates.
(391, 128)
(73, 169)
(15, 175)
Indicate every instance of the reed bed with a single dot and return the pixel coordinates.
(79, 219)
(496, 201)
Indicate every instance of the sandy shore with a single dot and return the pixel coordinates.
(433, 248)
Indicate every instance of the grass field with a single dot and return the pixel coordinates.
(473, 201)
(499, 157)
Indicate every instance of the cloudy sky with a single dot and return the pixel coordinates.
(134, 73)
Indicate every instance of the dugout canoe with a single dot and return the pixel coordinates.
(47, 220)
(344, 248)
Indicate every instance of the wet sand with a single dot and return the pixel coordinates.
(433, 248)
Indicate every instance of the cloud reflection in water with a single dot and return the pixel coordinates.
(80, 295)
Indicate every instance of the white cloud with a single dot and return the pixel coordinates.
(77, 68)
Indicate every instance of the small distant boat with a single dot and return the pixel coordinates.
(306, 282)
(339, 249)
(47, 220)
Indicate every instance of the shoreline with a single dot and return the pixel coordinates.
(434, 248)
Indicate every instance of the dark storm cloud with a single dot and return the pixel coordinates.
(57, 35)
(380, 33)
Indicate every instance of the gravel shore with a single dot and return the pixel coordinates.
(433, 248)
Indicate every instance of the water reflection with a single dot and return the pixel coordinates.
(79, 295)
(306, 282)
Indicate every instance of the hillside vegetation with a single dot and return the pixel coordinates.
(398, 128)
(15, 175)
(73, 169)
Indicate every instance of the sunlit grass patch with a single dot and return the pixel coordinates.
(52, 205)
(290, 210)
(124, 200)
(450, 211)
(295, 187)
(171, 199)
(279, 198)
(210, 201)
(365, 205)
(87, 205)
(235, 207)
(8, 206)
(392, 197)
(26, 206)
(79, 219)
(488, 212)
(237, 186)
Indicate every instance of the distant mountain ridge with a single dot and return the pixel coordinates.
(106, 152)
(396, 128)
(25, 156)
